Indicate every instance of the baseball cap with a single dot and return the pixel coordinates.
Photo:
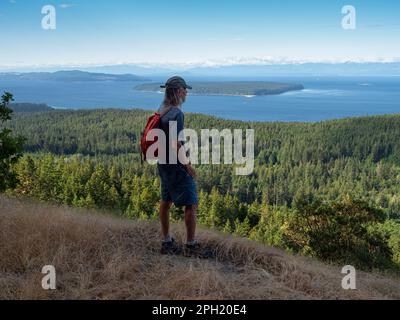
(176, 82)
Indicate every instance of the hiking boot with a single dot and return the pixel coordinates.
(198, 251)
(171, 247)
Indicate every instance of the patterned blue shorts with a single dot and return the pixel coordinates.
(177, 185)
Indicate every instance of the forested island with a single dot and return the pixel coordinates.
(30, 107)
(69, 75)
(234, 88)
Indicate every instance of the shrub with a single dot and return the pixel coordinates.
(339, 232)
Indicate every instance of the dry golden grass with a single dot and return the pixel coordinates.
(101, 257)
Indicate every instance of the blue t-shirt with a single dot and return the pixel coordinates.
(173, 114)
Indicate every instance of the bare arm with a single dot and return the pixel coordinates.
(177, 145)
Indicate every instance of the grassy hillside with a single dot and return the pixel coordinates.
(100, 257)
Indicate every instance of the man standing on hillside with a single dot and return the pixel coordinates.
(178, 184)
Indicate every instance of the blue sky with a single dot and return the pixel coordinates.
(196, 32)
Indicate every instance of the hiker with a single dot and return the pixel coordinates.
(178, 184)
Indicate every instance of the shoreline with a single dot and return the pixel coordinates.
(77, 109)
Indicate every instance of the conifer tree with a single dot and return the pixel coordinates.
(10, 147)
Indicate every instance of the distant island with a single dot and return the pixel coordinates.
(30, 107)
(73, 75)
(232, 88)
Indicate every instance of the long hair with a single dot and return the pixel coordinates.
(171, 98)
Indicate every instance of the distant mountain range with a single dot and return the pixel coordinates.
(305, 69)
(132, 72)
(70, 75)
(260, 70)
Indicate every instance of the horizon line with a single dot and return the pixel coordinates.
(228, 62)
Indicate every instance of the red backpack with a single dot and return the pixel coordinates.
(152, 123)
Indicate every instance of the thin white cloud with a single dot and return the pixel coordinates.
(66, 5)
(269, 60)
(12, 1)
(225, 39)
(373, 26)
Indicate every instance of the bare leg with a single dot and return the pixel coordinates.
(190, 221)
(164, 217)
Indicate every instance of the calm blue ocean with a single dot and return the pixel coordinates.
(323, 98)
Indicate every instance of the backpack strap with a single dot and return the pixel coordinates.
(162, 114)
